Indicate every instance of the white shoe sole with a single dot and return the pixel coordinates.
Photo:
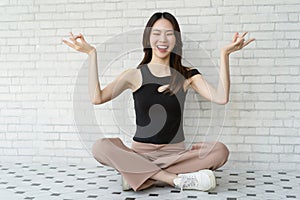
(212, 178)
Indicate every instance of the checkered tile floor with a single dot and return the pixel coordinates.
(50, 181)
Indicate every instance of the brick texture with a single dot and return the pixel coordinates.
(45, 114)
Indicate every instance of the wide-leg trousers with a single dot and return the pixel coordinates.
(143, 160)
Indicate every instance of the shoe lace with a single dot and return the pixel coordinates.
(187, 181)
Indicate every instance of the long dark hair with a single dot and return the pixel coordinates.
(177, 79)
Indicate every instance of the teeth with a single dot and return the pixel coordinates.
(162, 47)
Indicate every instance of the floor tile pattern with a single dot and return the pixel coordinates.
(45, 181)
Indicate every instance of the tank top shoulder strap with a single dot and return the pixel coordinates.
(146, 74)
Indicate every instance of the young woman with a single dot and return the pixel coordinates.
(159, 86)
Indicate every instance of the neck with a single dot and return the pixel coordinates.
(162, 62)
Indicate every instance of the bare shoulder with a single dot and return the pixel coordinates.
(133, 77)
(131, 73)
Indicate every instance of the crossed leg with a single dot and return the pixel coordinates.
(141, 173)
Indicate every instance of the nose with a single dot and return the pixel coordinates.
(163, 37)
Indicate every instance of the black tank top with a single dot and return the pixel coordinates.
(158, 115)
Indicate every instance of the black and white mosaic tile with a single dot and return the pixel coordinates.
(48, 181)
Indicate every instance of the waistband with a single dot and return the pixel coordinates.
(141, 147)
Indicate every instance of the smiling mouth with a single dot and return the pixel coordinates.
(162, 47)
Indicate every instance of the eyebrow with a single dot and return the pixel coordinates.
(160, 30)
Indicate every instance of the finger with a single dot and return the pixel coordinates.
(73, 38)
(82, 38)
(68, 43)
(76, 43)
(243, 35)
(71, 35)
(235, 37)
(240, 41)
(163, 88)
(77, 36)
(248, 42)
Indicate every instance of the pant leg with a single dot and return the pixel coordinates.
(133, 167)
(208, 156)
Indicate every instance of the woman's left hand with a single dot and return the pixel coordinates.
(238, 42)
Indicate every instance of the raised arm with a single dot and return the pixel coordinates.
(220, 95)
(97, 95)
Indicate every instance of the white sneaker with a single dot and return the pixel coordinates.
(125, 185)
(203, 180)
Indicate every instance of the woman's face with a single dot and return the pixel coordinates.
(162, 39)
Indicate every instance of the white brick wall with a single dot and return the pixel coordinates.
(38, 76)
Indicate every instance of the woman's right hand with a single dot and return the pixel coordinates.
(81, 46)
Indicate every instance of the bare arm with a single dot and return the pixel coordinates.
(93, 80)
(220, 95)
(97, 95)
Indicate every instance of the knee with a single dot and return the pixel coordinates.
(223, 151)
(100, 147)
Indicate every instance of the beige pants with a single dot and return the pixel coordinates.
(138, 163)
